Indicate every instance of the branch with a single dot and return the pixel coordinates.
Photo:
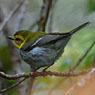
(44, 14)
(36, 74)
(18, 5)
(48, 73)
(50, 22)
(12, 86)
(81, 58)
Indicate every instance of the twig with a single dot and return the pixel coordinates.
(83, 85)
(21, 15)
(81, 58)
(50, 22)
(48, 73)
(45, 10)
(12, 86)
(18, 5)
(36, 74)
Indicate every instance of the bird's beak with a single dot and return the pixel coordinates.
(10, 37)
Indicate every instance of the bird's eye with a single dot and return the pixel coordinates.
(17, 39)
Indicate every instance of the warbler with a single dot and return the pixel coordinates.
(40, 49)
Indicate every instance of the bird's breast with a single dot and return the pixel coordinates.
(38, 56)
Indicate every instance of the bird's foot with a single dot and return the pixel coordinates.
(44, 70)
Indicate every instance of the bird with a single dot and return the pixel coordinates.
(41, 49)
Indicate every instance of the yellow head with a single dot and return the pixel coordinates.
(24, 36)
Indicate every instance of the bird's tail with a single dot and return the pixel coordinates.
(78, 28)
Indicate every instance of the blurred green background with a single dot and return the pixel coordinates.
(67, 15)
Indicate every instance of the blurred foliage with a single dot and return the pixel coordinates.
(7, 67)
(5, 58)
(8, 84)
(91, 6)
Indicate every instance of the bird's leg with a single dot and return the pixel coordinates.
(46, 68)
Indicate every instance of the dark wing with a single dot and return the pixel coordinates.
(54, 37)
(44, 40)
